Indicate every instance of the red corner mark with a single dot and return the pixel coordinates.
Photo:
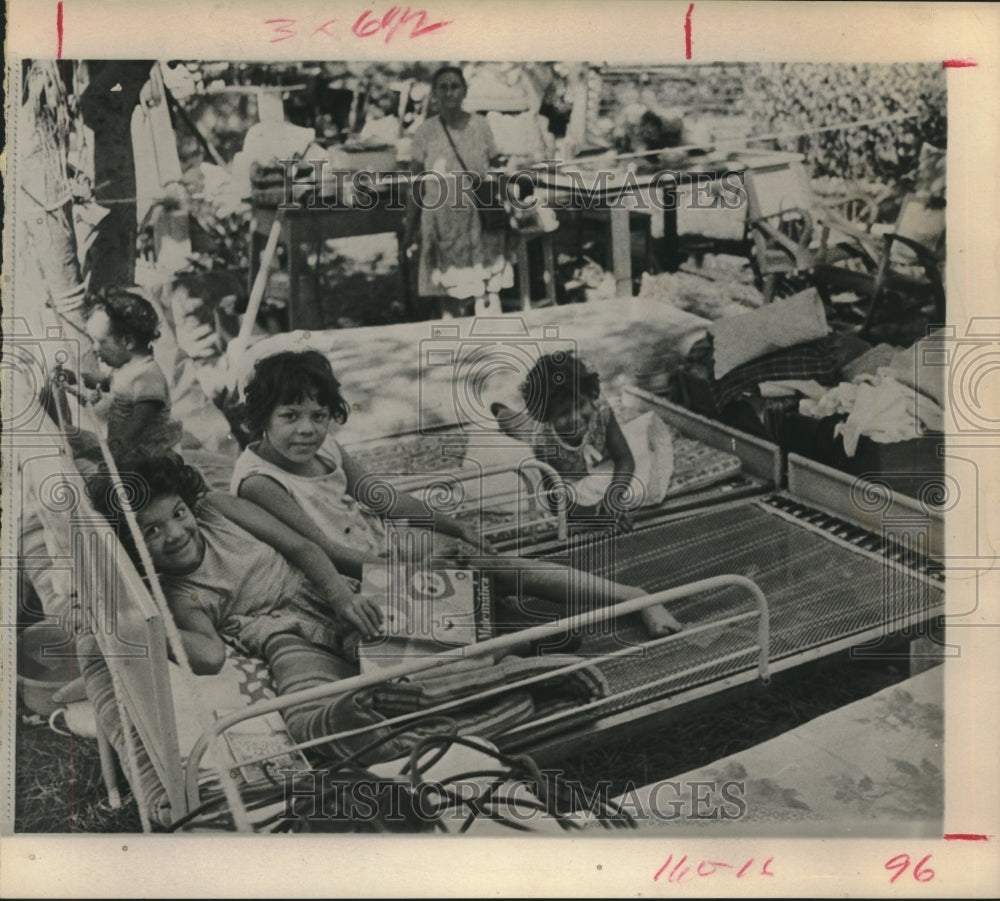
(966, 836)
(687, 32)
(959, 64)
(59, 29)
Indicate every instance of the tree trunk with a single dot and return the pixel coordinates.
(107, 105)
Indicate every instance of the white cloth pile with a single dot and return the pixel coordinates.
(898, 402)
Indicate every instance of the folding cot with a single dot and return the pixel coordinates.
(763, 578)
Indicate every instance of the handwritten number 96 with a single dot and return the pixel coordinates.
(901, 863)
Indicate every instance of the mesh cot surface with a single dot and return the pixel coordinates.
(696, 465)
(824, 581)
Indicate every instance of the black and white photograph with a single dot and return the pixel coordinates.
(400, 440)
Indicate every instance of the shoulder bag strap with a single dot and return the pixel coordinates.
(447, 134)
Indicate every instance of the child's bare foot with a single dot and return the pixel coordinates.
(659, 621)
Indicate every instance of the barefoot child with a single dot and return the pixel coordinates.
(571, 426)
(232, 573)
(297, 471)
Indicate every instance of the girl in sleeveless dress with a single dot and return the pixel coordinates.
(296, 471)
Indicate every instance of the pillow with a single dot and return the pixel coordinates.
(784, 323)
(813, 360)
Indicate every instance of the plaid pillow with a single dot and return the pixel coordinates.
(812, 360)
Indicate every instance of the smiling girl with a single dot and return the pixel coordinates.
(229, 570)
(296, 471)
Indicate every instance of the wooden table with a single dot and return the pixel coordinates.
(314, 225)
(617, 196)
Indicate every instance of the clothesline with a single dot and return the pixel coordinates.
(840, 126)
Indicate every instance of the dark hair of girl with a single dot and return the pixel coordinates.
(555, 380)
(292, 377)
(448, 70)
(143, 480)
(130, 315)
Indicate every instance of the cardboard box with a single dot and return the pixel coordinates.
(425, 612)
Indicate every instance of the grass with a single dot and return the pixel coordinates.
(59, 788)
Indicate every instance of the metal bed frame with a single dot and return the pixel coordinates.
(117, 595)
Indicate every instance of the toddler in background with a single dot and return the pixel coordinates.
(570, 425)
(123, 325)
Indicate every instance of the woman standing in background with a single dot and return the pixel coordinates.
(462, 265)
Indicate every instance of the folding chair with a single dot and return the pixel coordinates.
(794, 233)
(917, 243)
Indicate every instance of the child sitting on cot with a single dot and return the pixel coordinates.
(296, 471)
(123, 325)
(229, 569)
(571, 426)
(231, 572)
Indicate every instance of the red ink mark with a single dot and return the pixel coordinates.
(59, 29)
(959, 64)
(966, 837)
(687, 32)
(323, 28)
(659, 872)
(925, 875)
(706, 867)
(283, 28)
(714, 864)
(901, 863)
(365, 27)
(421, 29)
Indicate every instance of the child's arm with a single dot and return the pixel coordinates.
(204, 648)
(512, 423)
(268, 494)
(407, 506)
(624, 463)
(359, 611)
(96, 382)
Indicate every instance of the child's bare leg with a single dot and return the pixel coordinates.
(553, 581)
(562, 584)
